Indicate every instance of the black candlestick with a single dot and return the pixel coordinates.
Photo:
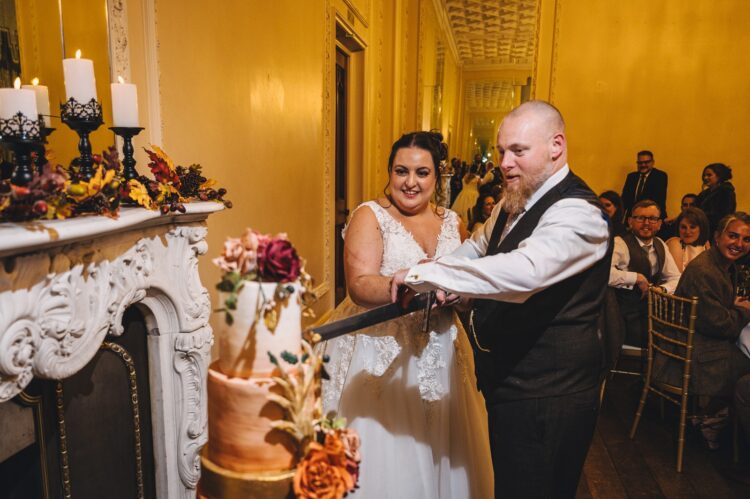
(128, 162)
(41, 160)
(23, 136)
(83, 119)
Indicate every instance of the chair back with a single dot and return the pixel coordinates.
(671, 327)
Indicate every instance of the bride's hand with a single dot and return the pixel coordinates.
(397, 281)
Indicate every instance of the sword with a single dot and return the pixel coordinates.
(375, 316)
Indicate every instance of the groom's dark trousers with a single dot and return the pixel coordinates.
(539, 445)
(538, 366)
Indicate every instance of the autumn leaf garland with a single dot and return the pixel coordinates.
(59, 193)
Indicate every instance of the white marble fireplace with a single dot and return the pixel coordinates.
(64, 286)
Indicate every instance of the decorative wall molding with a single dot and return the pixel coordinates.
(422, 20)
(357, 12)
(329, 58)
(59, 304)
(375, 177)
(447, 29)
(403, 39)
(153, 73)
(117, 16)
(555, 44)
(537, 47)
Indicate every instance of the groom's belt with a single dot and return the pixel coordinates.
(372, 317)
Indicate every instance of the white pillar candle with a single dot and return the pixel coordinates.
(80, 83)
(15, 100)
(42, 99)
(124, 104)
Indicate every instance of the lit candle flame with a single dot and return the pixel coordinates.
(35, 81)
(119, 78)
(78, 54)
(17, 83)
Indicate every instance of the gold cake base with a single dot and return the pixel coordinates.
(219, 483)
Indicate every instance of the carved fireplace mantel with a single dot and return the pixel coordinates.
(64, 286)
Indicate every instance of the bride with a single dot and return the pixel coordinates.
(410, 394)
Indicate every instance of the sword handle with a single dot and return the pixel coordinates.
(427, 310)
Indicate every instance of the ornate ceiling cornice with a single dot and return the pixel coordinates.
(492, 32)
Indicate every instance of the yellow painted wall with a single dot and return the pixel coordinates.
(242, 93)
(670, 76)
(247, 96)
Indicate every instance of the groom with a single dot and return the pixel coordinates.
(537, 272)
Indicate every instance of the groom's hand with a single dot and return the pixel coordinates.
(446, 299)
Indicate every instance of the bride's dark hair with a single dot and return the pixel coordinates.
(431, 142)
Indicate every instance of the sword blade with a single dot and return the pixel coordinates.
(369, 318)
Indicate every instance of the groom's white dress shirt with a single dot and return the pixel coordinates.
(570, 237)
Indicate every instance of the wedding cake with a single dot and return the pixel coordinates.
(239, 413)
(266, 433)
(245, 456)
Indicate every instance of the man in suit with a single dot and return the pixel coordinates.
(537, 271)
(645, 183)
(640, 260)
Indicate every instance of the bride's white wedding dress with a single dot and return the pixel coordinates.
(411, 395)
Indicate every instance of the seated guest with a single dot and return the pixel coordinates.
(612, 203)
(481, 212)
(669, 226)
(640, 260)
(693, 238)
(717, 361)
(717, 199)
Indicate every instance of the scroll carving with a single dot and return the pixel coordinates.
(58, 307)
(192, 354)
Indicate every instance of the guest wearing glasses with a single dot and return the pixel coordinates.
(640, 260)
(645, 183)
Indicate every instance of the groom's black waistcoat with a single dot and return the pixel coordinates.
(549, 345)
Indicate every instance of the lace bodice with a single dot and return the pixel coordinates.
(400, 249)
(378, 346)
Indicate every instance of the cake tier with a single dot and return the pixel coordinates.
(219, 483)
(240, 437)
(244, 346)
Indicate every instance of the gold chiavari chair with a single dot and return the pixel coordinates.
(671, 327)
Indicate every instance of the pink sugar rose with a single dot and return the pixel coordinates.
(251, 240)
(236, 258)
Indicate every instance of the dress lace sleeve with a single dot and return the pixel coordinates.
(377, 210)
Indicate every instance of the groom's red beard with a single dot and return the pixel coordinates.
(517, 196)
